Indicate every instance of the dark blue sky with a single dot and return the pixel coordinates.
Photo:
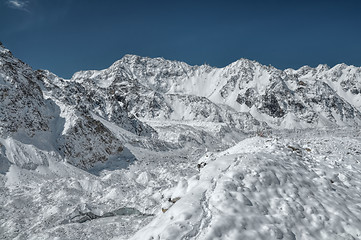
(66, 36)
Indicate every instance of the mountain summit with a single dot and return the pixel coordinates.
(303, 98)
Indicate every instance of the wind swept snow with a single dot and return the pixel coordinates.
(268, 188)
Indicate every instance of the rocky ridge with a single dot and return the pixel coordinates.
(162, 89)
(138, 93)
(28, 117)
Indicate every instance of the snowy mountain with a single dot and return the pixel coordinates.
(30, 118)
(301, 98)
(156, 149)
(243, 92)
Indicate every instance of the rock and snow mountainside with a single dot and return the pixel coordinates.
(29, 118)
(22, 105)
(304, 98)
(158, 149)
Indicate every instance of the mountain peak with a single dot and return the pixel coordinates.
(244, 62)
(322, 67)
(132, 58)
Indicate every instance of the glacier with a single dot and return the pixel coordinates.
(156, 149)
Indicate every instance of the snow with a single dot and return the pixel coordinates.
(290, 121)
(168, 154)
(68, 113)
(351, 98)
(292, 185)
(269, 188)
(106, 82)
(273, 122)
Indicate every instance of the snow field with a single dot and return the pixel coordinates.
(269, 189)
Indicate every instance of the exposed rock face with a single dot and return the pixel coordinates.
(84, 95)
(22, 107)
(32, 119)
(88, 142)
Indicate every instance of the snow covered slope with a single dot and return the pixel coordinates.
(269, 188)
(158, 149)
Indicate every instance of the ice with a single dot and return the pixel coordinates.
(270, 188)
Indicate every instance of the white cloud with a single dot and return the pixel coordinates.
(18, 4)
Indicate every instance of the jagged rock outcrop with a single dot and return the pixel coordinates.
(22, 107)
(85, 95)
(28, 117)
(88, 142)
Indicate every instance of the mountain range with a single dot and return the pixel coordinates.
(142, 112)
